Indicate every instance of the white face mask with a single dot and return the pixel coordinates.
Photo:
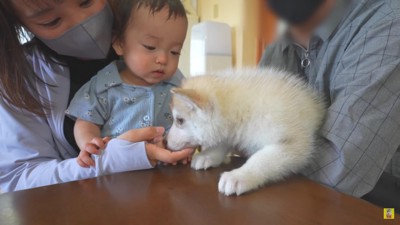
(90, 39)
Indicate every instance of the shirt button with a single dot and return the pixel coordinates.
(146, 118)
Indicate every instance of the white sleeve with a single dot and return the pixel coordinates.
(30, 158)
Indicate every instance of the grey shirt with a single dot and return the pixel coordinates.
(355, 63)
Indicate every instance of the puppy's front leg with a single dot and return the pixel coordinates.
(270, 163)
(211, 157)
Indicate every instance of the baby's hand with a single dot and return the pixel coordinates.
(93, 147)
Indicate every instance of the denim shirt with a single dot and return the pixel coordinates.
(118, 107)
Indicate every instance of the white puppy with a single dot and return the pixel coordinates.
(269, 115)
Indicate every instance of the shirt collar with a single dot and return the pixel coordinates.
(285, 42)
(109, 77)
(176, 79)
(328, 27)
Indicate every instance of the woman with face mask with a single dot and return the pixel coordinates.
(71, 43)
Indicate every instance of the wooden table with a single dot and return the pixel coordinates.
(179, 195)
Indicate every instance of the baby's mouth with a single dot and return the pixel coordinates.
(158, 73)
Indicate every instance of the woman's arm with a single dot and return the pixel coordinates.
(31, 157)
(29, 154)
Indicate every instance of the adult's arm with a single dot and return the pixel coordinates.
(362, 130)
(29, 156)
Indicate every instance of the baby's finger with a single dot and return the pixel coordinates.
(185, 161)
(98, 142)
(81, 163)
(88, 160)
(106, 139)
(85, 157)
(143, 134)
(92, 149)
(158, 139)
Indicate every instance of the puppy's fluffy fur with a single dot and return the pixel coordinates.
(269, 115)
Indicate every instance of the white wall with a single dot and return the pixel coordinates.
(194, 4)
(184, 59)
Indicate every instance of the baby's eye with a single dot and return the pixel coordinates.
(175, 53)
(180, 121)
(149, 47)
(52, 23)
(85, 3)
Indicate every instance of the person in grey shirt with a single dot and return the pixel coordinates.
(349, 51)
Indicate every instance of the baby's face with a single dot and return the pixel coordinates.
(151, 46)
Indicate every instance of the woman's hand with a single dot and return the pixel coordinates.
(154, 148)
(162, 144)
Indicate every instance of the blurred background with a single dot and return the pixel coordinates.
(251, 28)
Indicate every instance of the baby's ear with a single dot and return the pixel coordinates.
(117, 45)
(190, 97)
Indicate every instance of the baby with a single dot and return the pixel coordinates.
(133, 92)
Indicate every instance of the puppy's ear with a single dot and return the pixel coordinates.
(190, 97)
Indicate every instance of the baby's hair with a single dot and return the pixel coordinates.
(124, 8)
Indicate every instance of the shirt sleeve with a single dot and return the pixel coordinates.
(29, 156)
(362, 128)
(88, 105)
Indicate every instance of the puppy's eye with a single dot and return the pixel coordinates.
(179, 121)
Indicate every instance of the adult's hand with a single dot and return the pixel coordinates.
(155, 153)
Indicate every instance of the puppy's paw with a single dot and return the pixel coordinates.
(238, 182)
(203, 161)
